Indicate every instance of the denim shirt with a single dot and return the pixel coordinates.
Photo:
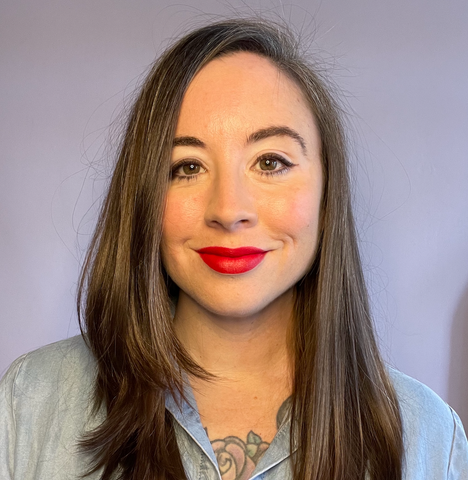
(46, 406)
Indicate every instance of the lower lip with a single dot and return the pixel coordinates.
(232, 265)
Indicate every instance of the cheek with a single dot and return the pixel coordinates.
(294, 214)
(181, 220)
(181, 215)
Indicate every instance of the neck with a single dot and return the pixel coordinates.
(237, 347)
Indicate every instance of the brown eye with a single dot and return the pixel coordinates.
(191, 169)
(186, 170)
(268, 163)
(272, 164)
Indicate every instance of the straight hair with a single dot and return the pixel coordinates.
(345, 415)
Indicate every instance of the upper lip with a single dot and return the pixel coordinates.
(231, 252)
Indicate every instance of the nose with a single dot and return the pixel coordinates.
(231, 204)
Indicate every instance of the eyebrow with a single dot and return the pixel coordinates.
(274, 131)
(188, 142)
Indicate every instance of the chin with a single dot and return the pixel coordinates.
(240, 305)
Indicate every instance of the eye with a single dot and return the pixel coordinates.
(272, 164)
(268, 163)
(187, 169)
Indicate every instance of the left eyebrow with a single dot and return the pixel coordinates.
(277, 131)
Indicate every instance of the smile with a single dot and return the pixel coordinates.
(232, 260)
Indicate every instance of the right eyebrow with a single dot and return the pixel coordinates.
(188, 142)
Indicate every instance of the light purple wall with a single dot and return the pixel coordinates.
(66, 67)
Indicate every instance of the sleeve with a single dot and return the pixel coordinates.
(7, 421)
(458, 466)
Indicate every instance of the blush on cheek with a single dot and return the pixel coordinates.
(181, 212)
(294, 211)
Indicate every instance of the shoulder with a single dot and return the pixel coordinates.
(61, 365)
(418, 402)
(434, 438)
(73, 350)
(57, 377)
(46, 405)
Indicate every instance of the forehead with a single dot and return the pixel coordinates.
(239, 93)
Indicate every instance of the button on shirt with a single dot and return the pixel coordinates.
(46, 406)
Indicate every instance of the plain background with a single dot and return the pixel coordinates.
(67, 66)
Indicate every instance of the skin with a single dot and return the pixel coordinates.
(236, 326)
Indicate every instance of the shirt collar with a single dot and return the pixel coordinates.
(189, 419)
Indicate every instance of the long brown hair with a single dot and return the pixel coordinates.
(346, 419)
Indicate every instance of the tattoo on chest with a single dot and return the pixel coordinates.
(237, 459)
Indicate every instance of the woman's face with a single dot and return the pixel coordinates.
(246, 173)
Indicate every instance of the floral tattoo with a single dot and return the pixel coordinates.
(237, 459)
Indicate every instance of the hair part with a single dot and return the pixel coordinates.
(346, 419)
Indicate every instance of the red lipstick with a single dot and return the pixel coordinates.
(232, 260)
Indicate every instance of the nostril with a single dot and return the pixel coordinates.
(231, 220)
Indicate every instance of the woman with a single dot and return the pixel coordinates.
(222, 301)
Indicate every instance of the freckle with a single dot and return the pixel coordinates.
(255, 398)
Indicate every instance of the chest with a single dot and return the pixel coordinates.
(252, 414)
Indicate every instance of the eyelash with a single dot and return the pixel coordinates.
(287, 165)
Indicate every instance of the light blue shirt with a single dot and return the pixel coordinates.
(46, 402)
